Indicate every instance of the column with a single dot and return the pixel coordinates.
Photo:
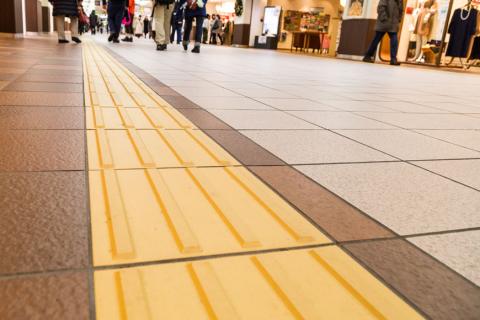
(241, 31)
(12, 21)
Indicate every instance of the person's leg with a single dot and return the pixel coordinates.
(187, 31)
(74, 29)
(167, 21)
(393, 46)
(60, 22)
(118, 19)
(373, 46)
(179, 34)
(110, 18)
(172, 34)
(159, 25)
(199, 30)
(205, 35)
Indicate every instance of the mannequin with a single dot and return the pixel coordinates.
(422, 26)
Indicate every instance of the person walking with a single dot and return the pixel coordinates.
(115, 13)
(128, 19)
(177, 22)
(195, 9)
(146, 22)
(205, 26)
(62, 9)
(388, 21)
(138, 27)
(216, 29)
(162, 13)
(93, 22)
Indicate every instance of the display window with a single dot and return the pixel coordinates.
(435, 32)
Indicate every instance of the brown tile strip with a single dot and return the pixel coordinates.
(243, 149)
(43, 221)
(434, 288)
(41, 117)
(42, 150)
(54, 297)
(51, 78)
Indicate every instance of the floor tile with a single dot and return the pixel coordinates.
(407, 107)
(231, 219)
(459, 170)
(204, 119)
(339, 219)
(229, 103)
(51, 78)
(242, 148)
(339, 120)
(41, 118)
(44, 221)
(460, 251)
(350, 105)
(55, 72)
(466, 138)
(425, 121)
(313, 146)
(44, 87)
(41, 99)
(409, 145)
(205, 92)
(247, 119)
(42, 150)
(56, 296)
(267, 286)
(453, 107)
(432, 287)
(180, 102)
(404, 198)
(263, 93)
(295, 104)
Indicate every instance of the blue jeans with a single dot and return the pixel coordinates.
(198, 31)
(115, 15)
(378, 37)
(178, 30)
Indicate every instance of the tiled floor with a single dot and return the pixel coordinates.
(365, 159)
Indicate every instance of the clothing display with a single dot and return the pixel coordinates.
(462, 27)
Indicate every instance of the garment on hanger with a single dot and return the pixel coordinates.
(475, 42)
(462, 27)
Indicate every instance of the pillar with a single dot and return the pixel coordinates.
(256, 24)
(12, 22)
(357, 31)
(241, 31)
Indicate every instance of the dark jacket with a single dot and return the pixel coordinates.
(178, 14)
(64, 8)
(389, 15)
(198, 12)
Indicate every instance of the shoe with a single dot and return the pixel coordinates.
(110, 37)
(159, 47)
(76, 40)
(126, 39)
(368, 59)
(115, 40)
(164, 47)
(185, 46)
(394, 62)
(196, 49)
(63, 41)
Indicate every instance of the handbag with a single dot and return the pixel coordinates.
(82, 17)
(127, 18)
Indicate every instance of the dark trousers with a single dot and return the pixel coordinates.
(115, 15)
(188, 29)
(378, 37)
(205, 35)
(176, 29)
(129, 29)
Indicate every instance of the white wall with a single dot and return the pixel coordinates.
(256, 26)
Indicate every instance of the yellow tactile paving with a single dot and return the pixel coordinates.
(160, 189)
(307, 284)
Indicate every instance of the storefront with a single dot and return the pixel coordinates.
(304, 25)
(433, 32)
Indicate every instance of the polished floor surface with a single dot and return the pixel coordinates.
(250, 183)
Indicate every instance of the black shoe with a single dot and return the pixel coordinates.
(368, 59)
(185, 46)
(110, 37)
(76, 40)
(63, 41)
(126, 39)
(161, 47)
(196, 49)
(394, 62)
(115, 40)
(164, 47)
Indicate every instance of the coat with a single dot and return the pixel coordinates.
(389, 15)
(461, 31)
(64, 8)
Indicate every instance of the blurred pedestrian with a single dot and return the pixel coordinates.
(162, 13)
(195, 9)
(115, 13)
(177, 22)
(62, 9)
